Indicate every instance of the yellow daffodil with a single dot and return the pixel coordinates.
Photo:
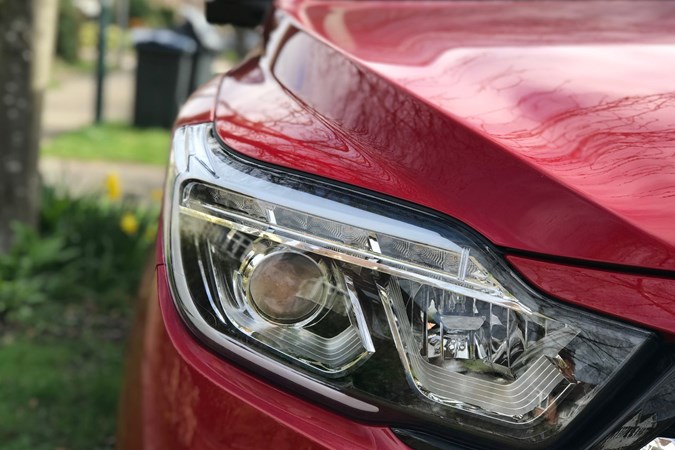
(113, 186)
(129, 224)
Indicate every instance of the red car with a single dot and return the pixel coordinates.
(419, 224)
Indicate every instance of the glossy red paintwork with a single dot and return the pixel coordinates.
(644, 300)
(200, 106)
(539, 125)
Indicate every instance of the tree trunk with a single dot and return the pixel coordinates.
(26, 44)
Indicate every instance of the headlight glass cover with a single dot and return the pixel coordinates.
(382, 303)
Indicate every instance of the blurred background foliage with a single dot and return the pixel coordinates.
(68, 286)
(66, 295)
(75, 32)
(85, 247)
(67, 31)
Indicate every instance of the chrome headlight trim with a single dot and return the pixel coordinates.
(191, 157)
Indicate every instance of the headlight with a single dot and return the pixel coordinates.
(384, 304)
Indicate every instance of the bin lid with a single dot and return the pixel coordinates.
(163, 40)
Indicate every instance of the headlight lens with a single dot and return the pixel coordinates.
(286, 287)
(382, 302)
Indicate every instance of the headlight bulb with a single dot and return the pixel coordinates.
(286, 287)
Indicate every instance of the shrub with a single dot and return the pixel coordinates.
(139, 9)
(85, 248)
(36, 269)
(111, 253)
(163, 17)
(115, 37)
(67, 33)
(142, 13)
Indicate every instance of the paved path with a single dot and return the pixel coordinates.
(69, 105)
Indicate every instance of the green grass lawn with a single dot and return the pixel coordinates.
(59, 392)
(112, 142)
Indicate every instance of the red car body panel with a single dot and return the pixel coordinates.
(644, 300)
(199, 108)
(550, 133)
(542, 128)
